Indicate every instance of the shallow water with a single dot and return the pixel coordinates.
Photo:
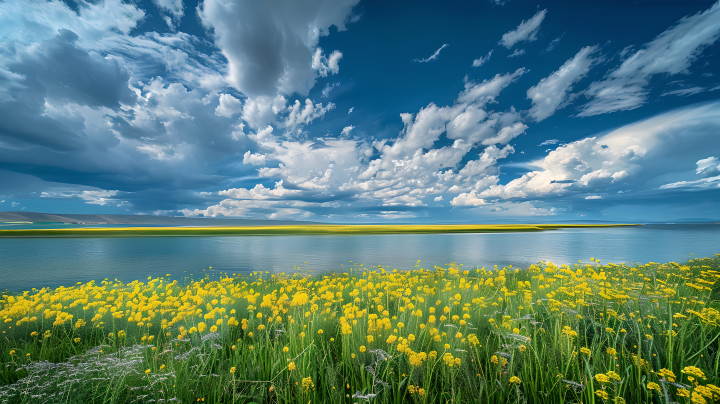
(38, 262)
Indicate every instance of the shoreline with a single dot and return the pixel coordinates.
(141, 231)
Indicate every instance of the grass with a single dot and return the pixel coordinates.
(589, 332)
(290, 230)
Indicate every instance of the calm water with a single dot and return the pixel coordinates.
(37, 262)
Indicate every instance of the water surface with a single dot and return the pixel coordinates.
(38, 262)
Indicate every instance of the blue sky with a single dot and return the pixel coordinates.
(352, 111)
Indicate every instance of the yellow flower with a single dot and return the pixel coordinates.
(232, 369)
(585, 351)
(601, 394)
(286, 349)
(147, 371)
(611, 351)
(307, 384)
(291, 366)
(602, 378)
(320, 331)
(76, 340)
(653, 386)
(362, 348)
(515, 380)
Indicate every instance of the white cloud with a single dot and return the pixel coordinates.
(593, 197)
(328, 87)
(259, 192)
(670, 53)
(324, 65)
(92, 197)
(518, 52)
(350, 110)
(174, 7)
(437, 198)
(481, 61)
(228, 106)
(639, 155)
(303, 115)
(549, 142)
(346, 130)
(703, 183)
(526, 31)
(255, 159)
(684, 92)
(271, 46)
(486, 91)
(467, 199)
(708, 167)
(433, 56)
(555, 42)
(550, 93)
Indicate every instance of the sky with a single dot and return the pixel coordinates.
(362, 111)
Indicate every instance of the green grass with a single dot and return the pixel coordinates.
(586, 333)
(291, 230)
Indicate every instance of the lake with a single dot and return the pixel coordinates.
(39, 262)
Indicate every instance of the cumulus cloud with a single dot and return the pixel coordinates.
(481, 61)
(326, 65)
(526, 31)
(433, 56)
(639, 154)
(550, 94)
(467, 199)
(672, 52)
(346, 130)
(273, 46)
(228, 106)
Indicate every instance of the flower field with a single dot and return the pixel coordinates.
(588, 332)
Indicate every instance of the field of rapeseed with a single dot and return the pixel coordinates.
(590, 333)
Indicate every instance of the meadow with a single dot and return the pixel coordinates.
(583, 333)
(329, 229)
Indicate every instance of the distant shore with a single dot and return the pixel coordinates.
(292, 230)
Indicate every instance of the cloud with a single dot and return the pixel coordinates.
(549, 142)
(346, 130)
(467, 199)
(685, 92)
(555, 42)
(174, 7)
(304, 114)
(92, 197)
(593, 197)
(640, 155)
(255, 159)
(708, 167)
(272, 46)
(518, 52)
(433, 56)
(350, 110)
(328, 87)
(486, 91)
(669, 53)
(228, 106)
(526, 31)
(550, 94)
(481, 61)
(326, 65)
